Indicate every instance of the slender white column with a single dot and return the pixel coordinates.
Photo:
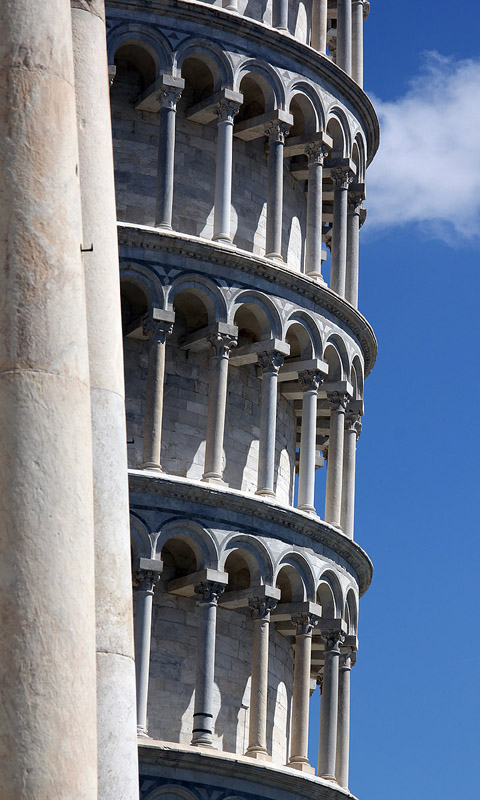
(354, 210)
(310, 381)
(333, 495)
(270, 364)
(117, 744)
(280, 14)
(319, 25)
(343, 728)
(316, 155)
(169, 94)
(276, 133)
(257, 730)
(353, 428)
(144, 588)
(47, 627)
(156, 329)
(304, 624)
(207, 593)
(342, 177)
(327, 746)
(344, 35)
(360, 11)
(217, 401)
(225, 111)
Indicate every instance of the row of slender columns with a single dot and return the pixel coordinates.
(349, 47)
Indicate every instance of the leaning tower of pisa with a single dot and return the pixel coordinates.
(241, 138)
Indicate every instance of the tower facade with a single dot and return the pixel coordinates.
(241, 138)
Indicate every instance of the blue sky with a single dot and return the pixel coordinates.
(415, 688)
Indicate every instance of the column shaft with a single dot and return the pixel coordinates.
(117, 745)
(217, 402)
(223, 176)
(276, 137)
(257, 730)
(310, 382)
(157, 332)
(343, 729)
(359, 7)
(333, 494)
(352, 432)
(313, 245)
(270, 363)
(301, 692)
(47, 628)
(327, 746)
(230, 5)
(203, 709)
(144, 592)
(344, 35)
(353, 231)
(319, 25)
(280, 14)
(168, 96)
(341, 179)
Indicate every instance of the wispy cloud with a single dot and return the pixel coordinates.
(427, 171)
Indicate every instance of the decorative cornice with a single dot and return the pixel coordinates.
(155, 240)
(260, 36)
(236, 502)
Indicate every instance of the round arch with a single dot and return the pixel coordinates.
(200, 539)
(146, 38)
(246, 542)
(329, 578)
(208, 292)
(267, 78)
(309, 92)
(214, 57)
(300, 564)
(265, 304)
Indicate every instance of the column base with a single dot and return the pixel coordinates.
(231, 8)
(265, 493)
(276, 256)
(142, 733)
(302, 766)
(203, 743)
(150, 465)
(259, 753)
(309, 509)
(213, 477)
(223, 238)
(331, 778)
(164, 226)
(316, 276)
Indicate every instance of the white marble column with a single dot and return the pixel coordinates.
(354, 209)
(342, 178)
(344, 35)
(221, 344)
(117, 744)
(144, 588)
(319, 25)
(156, 329)
(47, 628)
(169, 94)
(360, 11)
(280, 15)
(316, 155)
(270, 364)
(353, 428)
(257, 729)
(225, 111)
(275, 132)
(304, 624)
(343, 728)
(327, 746)
(333, 496)
(309, 381)
(207, 593)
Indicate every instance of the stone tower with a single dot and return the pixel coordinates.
(241, 138)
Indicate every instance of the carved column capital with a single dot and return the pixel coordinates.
(354, 202)
(226, 110)
(222, 343)
(310, 380)
(342, 177)
(209, 591)
(316, 153)
(338, 400)
(271, 362)
(347, 658)
(277, 131)
(353, 423)
(157, 330)
(144, 580)
(261, 607)
(333, 640)
(304, 623)
(169, 96)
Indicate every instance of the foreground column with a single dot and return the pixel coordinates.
(333, 495)
(226, 111)
(270, 364)
(217, 401)
(353, 428)
(169, 95)
(257, 731)
(156, 329)
(316, 155)
(343, 729)
(354, 209)
(144, 588)
(310, 381)
(276, 133)
(344, 35)
(360, 11)
(207, 593)
(327, 746)
(342, 178)
(304, 624)
(319, 25)
(117, 746)
(47, 627)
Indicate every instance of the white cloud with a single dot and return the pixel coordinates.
(427, 170)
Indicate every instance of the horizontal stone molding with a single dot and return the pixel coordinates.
(191, 248)
(235, 504)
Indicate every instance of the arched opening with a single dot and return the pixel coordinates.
(180, 556)
(198, 74)
(291, 585)
(326, 599)
(332, 357)
(193, 310)
(239, 565)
